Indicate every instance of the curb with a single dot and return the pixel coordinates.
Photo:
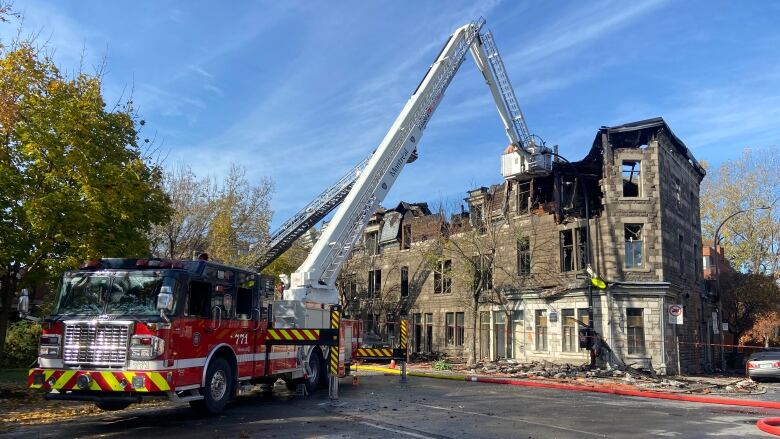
(594, 389)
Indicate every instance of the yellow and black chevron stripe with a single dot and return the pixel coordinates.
(113, 381)
(294, 334)
(373, 353)
(404, 333)
(335, 320)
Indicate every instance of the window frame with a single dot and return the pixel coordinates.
(524, 256)
(541, 343)
(635, 334)
(635, 171)
(630, 247)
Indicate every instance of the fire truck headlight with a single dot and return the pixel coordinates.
(146, 347)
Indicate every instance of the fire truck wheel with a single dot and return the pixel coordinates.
(315, 366)
(111, 406)
(219, 381)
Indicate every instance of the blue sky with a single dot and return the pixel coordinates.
(302, 90)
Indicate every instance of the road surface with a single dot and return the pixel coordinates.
(380, 407)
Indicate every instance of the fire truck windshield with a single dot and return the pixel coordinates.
(112, 293)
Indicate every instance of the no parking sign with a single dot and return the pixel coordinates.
(675, 314)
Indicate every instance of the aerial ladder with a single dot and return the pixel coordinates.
(314, 281)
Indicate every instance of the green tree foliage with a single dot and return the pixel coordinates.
(745, 298)
(21, 344)
(74, 182)
(242, 214)
(750, 183)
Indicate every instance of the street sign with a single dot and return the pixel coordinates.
(553, 317)
(675, 314)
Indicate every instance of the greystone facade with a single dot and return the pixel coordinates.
(507, 278)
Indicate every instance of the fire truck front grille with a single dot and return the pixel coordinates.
(96, 344)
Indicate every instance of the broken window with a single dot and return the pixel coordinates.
(568, 190)
(404, 281)
(372, 243)
(677, 194)
(541, 329)
(523, 257)
(636, 331)
(570, 338)
(582, 248)
(681, 256)
(524, 196)
(442, 279)
(696, 271)
(374, 283)
(632, 183)
(567, 250)
(633, 236)
(406, 237)
(352, 286)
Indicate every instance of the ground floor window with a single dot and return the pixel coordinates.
(428, 332)
(569, 341)
(540, 321)
(636, 331)
(484, 334)
(454, 329)
(499, 333)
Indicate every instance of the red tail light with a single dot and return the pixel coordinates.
(777, 364)
(750, 365)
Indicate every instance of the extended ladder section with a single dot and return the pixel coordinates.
(315, 279)
(284, 237)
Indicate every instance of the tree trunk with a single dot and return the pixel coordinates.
(473, 359)
(6, 299)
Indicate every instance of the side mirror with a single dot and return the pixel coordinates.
(165, 299)
(24, 304)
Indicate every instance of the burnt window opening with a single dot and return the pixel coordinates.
(633, 242)
(372, 243)
(574, 244)
(632, 178)
(406, 237)
(567, 250)
(352, 285)
(404, 281)
(442, 278)
(568, 191)
(524, 196)
(374, 283)
(523, 257)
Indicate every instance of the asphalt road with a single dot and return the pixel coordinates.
(423, 408)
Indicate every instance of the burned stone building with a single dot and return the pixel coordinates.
(506, 276)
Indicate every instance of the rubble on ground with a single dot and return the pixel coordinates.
(633, 376)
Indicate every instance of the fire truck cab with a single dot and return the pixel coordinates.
(192, 331)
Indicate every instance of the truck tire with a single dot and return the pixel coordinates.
(111, 406)
(314, 380)
(219, 388)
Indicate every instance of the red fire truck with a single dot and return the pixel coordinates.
(193, 331)
(197, 331)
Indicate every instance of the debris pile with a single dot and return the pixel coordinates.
(640, 378)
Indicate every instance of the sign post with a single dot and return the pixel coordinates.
(675, 313)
